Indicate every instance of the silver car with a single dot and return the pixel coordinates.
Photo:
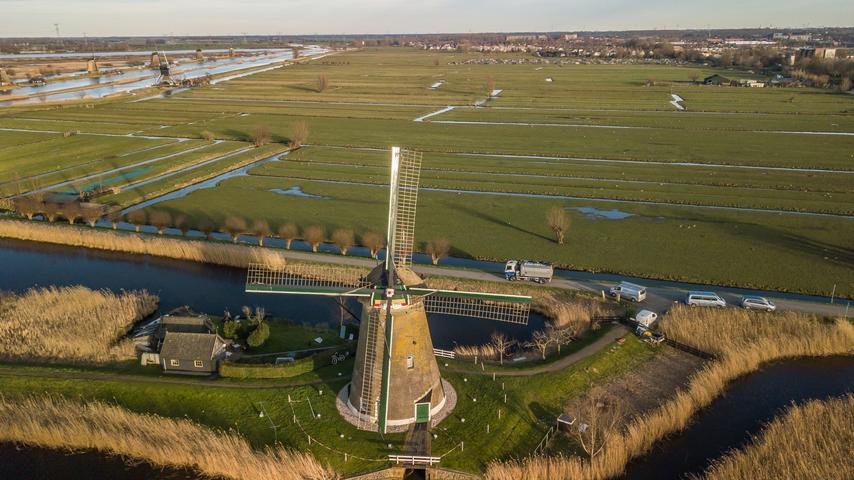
(758, 303)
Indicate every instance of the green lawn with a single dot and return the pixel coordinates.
(532, 403)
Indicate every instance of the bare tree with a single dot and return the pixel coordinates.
(299, 134)
(374, 241)
(489, 83)
(502, 343)
(207, 135)
(235, 226)
(261, 230)
(26, 206)
(182, 223)
(260, 135)
(206, 227)
(92, 213)
(694, 77)
(114, 218)
(559, 222)
(50, 211)
(846, 84)
(72, 212)
(438, 248)
(137, 218)
(598, 418)
(343, 238)
(288, 232)
(541, 340)
(160, 220)
(314, 235)
(322, 83)
(297, 51)
(559, 336)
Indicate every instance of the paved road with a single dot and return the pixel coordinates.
(661, 294)
(616, 332)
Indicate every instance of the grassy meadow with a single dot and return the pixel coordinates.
(601, 136)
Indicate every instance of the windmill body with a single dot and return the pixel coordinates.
(396, 379)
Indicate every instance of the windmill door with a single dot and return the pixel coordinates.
(422, 412)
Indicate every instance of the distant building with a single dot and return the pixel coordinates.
(570, 36)
(191, 353)
(716, 80)
(827, 53)
(520, 38)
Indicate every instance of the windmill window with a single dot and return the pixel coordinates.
(198, 363)
(410, 360)
(174, 363)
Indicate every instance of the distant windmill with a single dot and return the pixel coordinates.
(165, 78)
(396, 379)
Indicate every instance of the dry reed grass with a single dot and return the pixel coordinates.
(743, 341)
(807, 442)
(482, 352)
(181, 249)
(71, 324)
(60, 423)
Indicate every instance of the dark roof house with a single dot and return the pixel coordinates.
(716, 80)
(191, 353)
(184, 322)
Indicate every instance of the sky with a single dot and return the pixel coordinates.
(300, 17)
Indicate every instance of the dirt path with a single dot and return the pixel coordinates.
(575, 357)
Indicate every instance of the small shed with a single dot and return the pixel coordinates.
(191, 353)
(565, 422)
(184, 321)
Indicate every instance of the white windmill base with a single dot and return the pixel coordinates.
(364, 422)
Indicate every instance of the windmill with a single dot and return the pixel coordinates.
(396, 380)
(165, 78)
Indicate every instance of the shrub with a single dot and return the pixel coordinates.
(259, 335)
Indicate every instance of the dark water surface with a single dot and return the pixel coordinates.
(206, 288)
(747, 405)
(34, 463)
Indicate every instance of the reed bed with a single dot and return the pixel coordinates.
(71, 324)
(63, 424)
(181, 249)
(809, 441)
(742, 340)
(482, 352)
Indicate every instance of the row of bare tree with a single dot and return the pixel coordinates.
(234, 226)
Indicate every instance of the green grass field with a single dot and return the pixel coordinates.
(594, 135)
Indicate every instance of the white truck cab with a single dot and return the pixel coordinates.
(526, 270)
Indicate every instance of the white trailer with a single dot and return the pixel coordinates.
(527, 270)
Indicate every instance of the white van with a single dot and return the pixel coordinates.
(630, 291)
(704, 299)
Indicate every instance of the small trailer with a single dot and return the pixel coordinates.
(527, 270)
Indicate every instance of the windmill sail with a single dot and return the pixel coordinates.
(489, 306)
(307, 280)
(403, 198)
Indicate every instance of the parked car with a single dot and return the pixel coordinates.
(758, 303)
(704, 299)
(631, 291)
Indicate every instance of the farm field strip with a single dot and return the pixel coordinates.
(618, 189)
(499, 193)
(177, 180)
(90, 166)
(188, 149)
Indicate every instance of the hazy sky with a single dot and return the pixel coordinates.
(202, 17)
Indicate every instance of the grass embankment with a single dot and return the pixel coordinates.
(71, 324)
(743, 341)
(59, 423)
(194, 250)
(809, 441)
